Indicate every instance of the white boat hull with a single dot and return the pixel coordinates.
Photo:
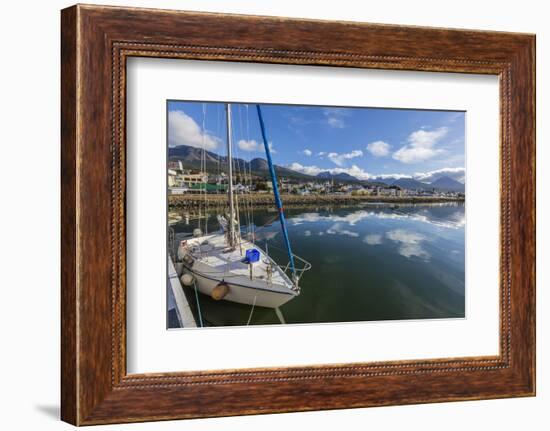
(213, 264)
(243, 294)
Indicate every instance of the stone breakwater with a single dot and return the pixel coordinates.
(191, 201)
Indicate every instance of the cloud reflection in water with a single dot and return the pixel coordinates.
(373, 239)
(456, 220)
(410, 243)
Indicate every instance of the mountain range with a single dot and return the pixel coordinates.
(446, 183)
(443, 183)
(342, 176)
(191, 158)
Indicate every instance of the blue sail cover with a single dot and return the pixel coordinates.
(278, 201)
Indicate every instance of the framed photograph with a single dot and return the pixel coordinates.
(266, 215)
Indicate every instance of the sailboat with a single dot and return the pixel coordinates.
(226, 266)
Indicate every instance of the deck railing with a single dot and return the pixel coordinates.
(300, 266)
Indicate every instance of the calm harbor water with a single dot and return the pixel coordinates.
(372, 262)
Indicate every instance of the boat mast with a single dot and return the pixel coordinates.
(278, 201)
(230, 179)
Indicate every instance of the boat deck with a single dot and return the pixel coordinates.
(213, 258)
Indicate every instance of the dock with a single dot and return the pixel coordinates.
(178, 300)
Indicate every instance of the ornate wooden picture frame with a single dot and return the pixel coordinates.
(96, 41)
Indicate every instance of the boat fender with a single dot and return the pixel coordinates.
(197, 232)
(179, 268)
(187, 279)
(220, 291)
(188, 260)
(182, 250)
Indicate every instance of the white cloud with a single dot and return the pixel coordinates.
(183, 130)
(373, 239)
(420, 146)
(379, 148)
(423, 138)
(335, 117)
(355, 171)
(339, 159)
(309, 170)
(250, 145)
(336, 123)
(307, 152)
(410, 243)
(253, 145)
(391, 176)
(457, 174)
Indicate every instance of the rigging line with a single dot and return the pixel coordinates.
(218, 178)
(200, 168)
(236, 166)
(198, 303)
(252, 310)
(231, 230)
(237, 161)
(269, 222)
(216, 167)
(248, 173)
(203, 169)
(243, 170)
(252, 225)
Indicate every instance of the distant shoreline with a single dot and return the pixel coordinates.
(195, 200)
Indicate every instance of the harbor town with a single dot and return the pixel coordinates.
(189, 188)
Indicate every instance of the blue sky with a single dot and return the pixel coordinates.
(364, 142)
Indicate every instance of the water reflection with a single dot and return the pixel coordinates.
(373, 262)
(410, 243)
(338, 229)
(435, 215)
(373, 239)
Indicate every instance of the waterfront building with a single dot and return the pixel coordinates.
(175, 165)
(190, 179)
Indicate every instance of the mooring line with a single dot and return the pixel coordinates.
(198, 303)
